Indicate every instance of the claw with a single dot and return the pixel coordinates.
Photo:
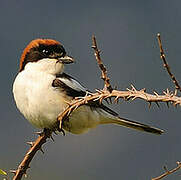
(30, 143)
(62, 131)
(55, 132)
(51, 137)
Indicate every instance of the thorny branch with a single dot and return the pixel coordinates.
(106, 93)
(130, 94)
(167, 172)
(35, 146)
(165, 64)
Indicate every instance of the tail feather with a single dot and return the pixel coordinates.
(132, 124)
(108, 116)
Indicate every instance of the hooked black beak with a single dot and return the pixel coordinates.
(66, 60)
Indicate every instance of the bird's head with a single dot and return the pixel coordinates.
(45, 55)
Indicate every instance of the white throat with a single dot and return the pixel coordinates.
(50, 66)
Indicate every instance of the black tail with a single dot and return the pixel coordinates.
(131, 124)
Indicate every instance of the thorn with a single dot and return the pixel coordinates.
(40, 133)
(175, 93)
(143, 90)
(133, 98)
(157, 104)
(133, 88)
(13, 171)
(68, 113)
(63, 132)
(165, 168)
(149, 106)
(75, 108)
(100, 100)
(106, 101)
(99, 91)
(158, 35)
(116, 87)
(116, 100)
(129, 89)
(164, 93)
(128, 97)
(89, 93)
(110, 100)
(96, 99)
(67, 102)
(30, 143)
(41, 150)
(156, 93)
(168, 91)
(167, 104)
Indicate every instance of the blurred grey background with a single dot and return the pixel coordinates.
(126, 33)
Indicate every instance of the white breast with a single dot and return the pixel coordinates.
(36, 99)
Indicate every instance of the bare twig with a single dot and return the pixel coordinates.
(35, 146)
(168, 172)
(104, 76)
(165, 64)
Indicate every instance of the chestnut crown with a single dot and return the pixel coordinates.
(39, 49)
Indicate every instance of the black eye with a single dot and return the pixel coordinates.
(46, 52)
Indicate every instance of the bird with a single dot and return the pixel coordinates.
(42, 89)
